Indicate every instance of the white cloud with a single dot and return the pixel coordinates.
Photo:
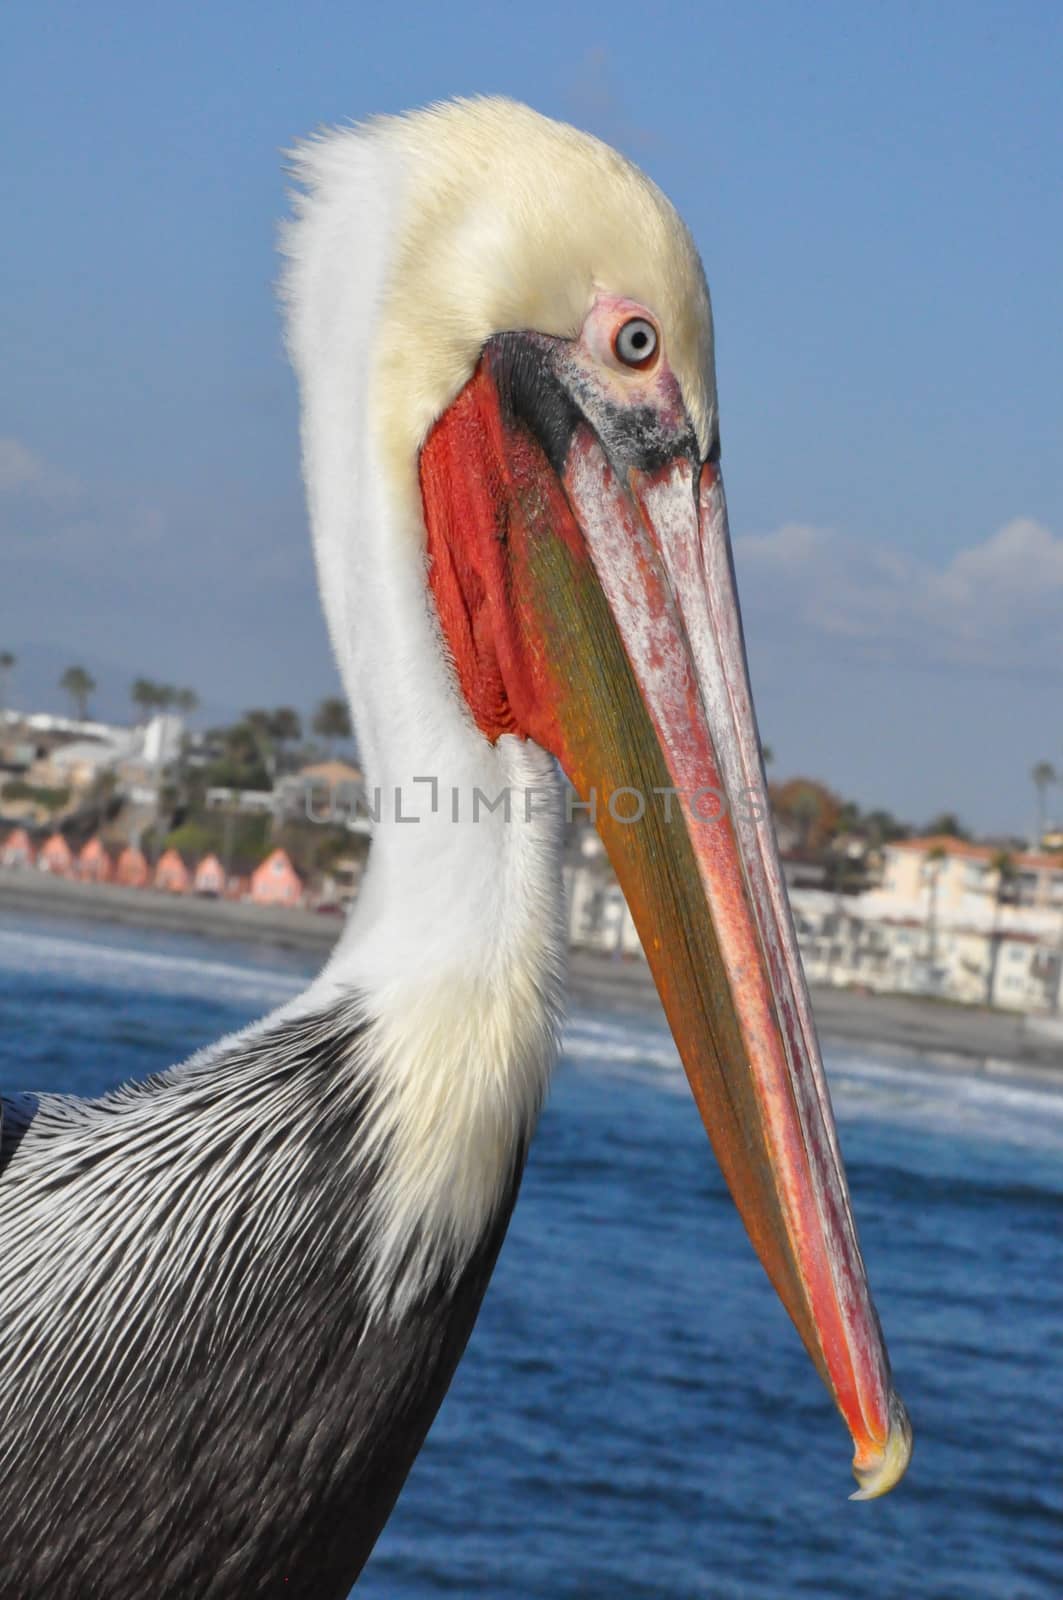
(19, 467)
(68, 524)
(997, 604)
(24, 472)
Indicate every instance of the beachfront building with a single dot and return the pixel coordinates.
(80, 763)
(94, 862)
(18, 850)
(339, 882)
(955, 921)
(131, 869)
(56, 857)
(968, 947)
(276, 882)
(598, 915)
(171, 874)
(963, 879)
(326, 792)
(152, 752)
(74, 761)
(209, 877)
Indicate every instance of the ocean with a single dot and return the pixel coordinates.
(635, 1418)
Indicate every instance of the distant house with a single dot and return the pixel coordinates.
(210, 877)
(131, 868)
(327, 791)
(18, 850)
(965, 878)
(276, 882)
(80, 763)
(56, 857)
(171, 874)
(599, 918)
(94, 862)
(339, 885)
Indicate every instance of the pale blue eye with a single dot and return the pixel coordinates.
(636, 343)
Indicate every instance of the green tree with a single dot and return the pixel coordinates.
(1005, 870)
(1043, 775)
(882, 827)
(186, 701)
(260, 720)
(144, 695)
(242, 762)
(935, 860)
(285, 729)
(259, 724)
(949, 825)
(285, 725)
(806, 808)
(194, 838)
(7, 663)
(332, 721)
(849, 819)
(79, 685)
(50, 799)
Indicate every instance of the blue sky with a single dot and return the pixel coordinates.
(875, 190)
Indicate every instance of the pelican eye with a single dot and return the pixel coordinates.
(636, 342)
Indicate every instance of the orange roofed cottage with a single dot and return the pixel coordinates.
(94, 863)
(210, 877)
(56, 857)
(131, 868)
(171, 874)
(276, 882)
(18, 850)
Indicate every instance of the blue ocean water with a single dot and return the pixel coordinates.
(635, 1418)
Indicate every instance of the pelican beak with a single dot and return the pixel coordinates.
(592, 596)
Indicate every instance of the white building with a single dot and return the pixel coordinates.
(951, 920)
(598, 915)
(960, 921)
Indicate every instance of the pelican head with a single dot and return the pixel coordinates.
(503, 340)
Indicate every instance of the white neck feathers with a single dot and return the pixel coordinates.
(456, 947)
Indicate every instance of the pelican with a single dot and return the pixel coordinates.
(233, 1297)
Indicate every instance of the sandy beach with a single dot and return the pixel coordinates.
(998, 1040)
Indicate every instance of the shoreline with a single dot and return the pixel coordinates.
(998, 1041)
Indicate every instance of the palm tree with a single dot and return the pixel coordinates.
(186, 701)
(259, 724)
(332, 721)
(285, 725)
(7, 661)
(806, 808)
(948, 824)
(144, 695)
(1003, 865)
(78, 684)
(244, 758)
(285, 728)
(883, 827)
(934, 861)
(1043, 775)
